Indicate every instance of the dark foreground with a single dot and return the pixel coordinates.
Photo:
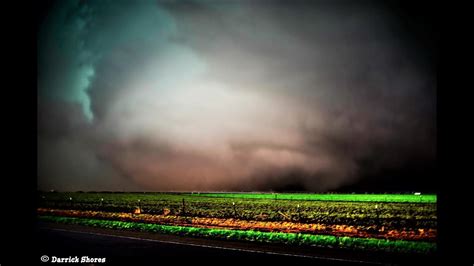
(151, 249)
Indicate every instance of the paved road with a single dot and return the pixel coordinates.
(141, 248)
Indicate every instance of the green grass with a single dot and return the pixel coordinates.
(409, 198)
(264, 237)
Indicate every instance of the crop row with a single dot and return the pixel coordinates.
(341, 230)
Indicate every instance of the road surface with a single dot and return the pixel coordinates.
(118, 246)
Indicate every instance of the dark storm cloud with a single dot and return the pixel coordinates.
(232, 95)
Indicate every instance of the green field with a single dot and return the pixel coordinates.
(386, 217)
(262, 207)
(409, 198)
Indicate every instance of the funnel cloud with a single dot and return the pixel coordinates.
(230, 95)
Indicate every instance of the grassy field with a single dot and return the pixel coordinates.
(388, 214)
(409, 198)
(387, 217)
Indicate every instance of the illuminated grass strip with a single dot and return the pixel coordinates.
(409, 198)
(265, 237)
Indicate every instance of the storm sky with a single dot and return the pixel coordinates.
(230, 95)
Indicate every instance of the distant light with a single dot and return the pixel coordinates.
(417, 193)
(70, 198)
